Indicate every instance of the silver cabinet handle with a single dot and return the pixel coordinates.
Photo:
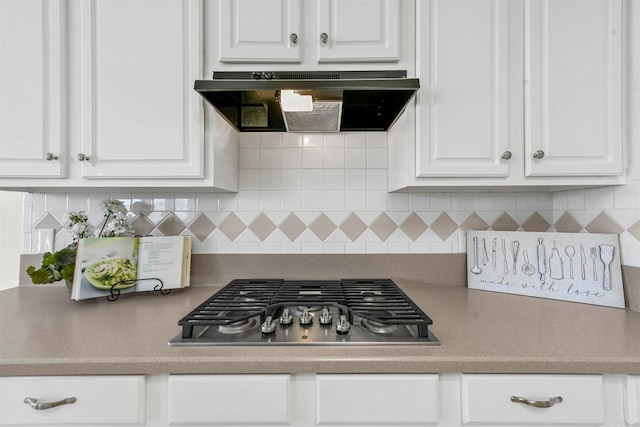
(40, 406)
(537, 403)
(324, 37)
(538, 154)
(82, 157)
(50, 156)
(293, 37)
(506, 155)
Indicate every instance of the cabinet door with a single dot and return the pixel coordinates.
(141, 117)
(573, 96)
(98, 400)
(463, 103)
(229, 399)
(376, 399)
(32, 108)
(632, 399)
(259, 31)
(359, 30)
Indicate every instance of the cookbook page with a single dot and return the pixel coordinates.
(164, 261)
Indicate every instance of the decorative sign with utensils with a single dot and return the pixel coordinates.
(577, 267)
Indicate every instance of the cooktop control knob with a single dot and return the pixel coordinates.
(306, 318)
(343, 325)
(286, 318)
(325, 317)
(269, 326)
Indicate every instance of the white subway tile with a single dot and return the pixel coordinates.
(271, 139)
(249, 140)
(505, 201)
(398, 202)
(249, 158)
(291, 179)
(313, 140)
(291, 158)
(228, 202)
(376, 200)
(376, 139)
(270, 179)
(249, 179)
(334, 179)
(207, 202)
(441, 202)
(249, 201)
(333, 247)
(312, 158)
(333, 158)
(270, 158)
(376, 179)
(334, 140)
(483, 201)
(355, 140)
(270, 200)
(376, 158)
(419, 202)
(355, 179)
(185, 202)
(334, 200)
(462, 201)
(292, 140)
(355, 158)
(355, 200)
(599, 198)
(292, 200)
(77, 202)
(313, 200)
(55, 202)
(313, 179)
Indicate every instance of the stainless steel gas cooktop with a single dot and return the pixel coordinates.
(306, 312)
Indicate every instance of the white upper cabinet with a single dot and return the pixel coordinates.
(140, 114)
(463, 119)
(573, 97)
(359, 30)
(32, 84)
(100, 93)
(311, 34)
(259, 30)
(514, 93)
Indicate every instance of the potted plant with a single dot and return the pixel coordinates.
(60, 265)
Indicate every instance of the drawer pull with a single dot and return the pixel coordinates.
(40, 406)
(537, 403)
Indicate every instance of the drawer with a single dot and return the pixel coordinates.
(632, 399)
(487, 399)
(365, 399)
(229, 399)
(96, 398)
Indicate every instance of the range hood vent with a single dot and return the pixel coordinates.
(337, 101)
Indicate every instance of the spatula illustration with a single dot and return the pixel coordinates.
(606, 255)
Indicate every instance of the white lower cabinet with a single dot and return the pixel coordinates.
(533, 399)
(230, 399)
(376, 399)
(111, 400)
(631, 398)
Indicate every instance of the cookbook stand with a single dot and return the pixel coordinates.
(159, 287)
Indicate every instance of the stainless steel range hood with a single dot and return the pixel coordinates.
(317, 101)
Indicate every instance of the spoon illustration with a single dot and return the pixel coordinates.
(570, 251)
(527, 268)
(475, 269)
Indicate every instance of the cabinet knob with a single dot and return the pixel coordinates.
(33, 402)
(537, 403)
(506, 155)
(538, 154)
(82, 157)
(293, 37)
(324, 37)
(50, 157)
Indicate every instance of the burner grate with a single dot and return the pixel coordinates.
(376, 300)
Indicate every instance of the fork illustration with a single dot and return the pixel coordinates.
(594, 255)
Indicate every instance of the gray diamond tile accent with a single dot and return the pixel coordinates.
(634, 230)
(474, 222)
(536, 222)
(262, 226)
(232, 226)
(604, 224)
(353, 226)
(171, 225)
(383, 226)
(47, 221)
(322, 226)
(413, 226)
(567, 224)
(202, 227)
(142, 225)
(444, 226)
(292, 226)
(505, 223)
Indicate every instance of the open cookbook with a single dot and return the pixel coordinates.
(109, 265)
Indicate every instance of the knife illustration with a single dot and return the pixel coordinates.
(542, 268)
(493, 253)
(583, 263)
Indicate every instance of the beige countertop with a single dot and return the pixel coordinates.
(42, 332)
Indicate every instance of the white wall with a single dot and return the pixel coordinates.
(10, 238)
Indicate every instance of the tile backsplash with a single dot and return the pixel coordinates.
(327, 193)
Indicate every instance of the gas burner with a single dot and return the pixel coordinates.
(237, 327)
(378, 327)
(303, 312)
